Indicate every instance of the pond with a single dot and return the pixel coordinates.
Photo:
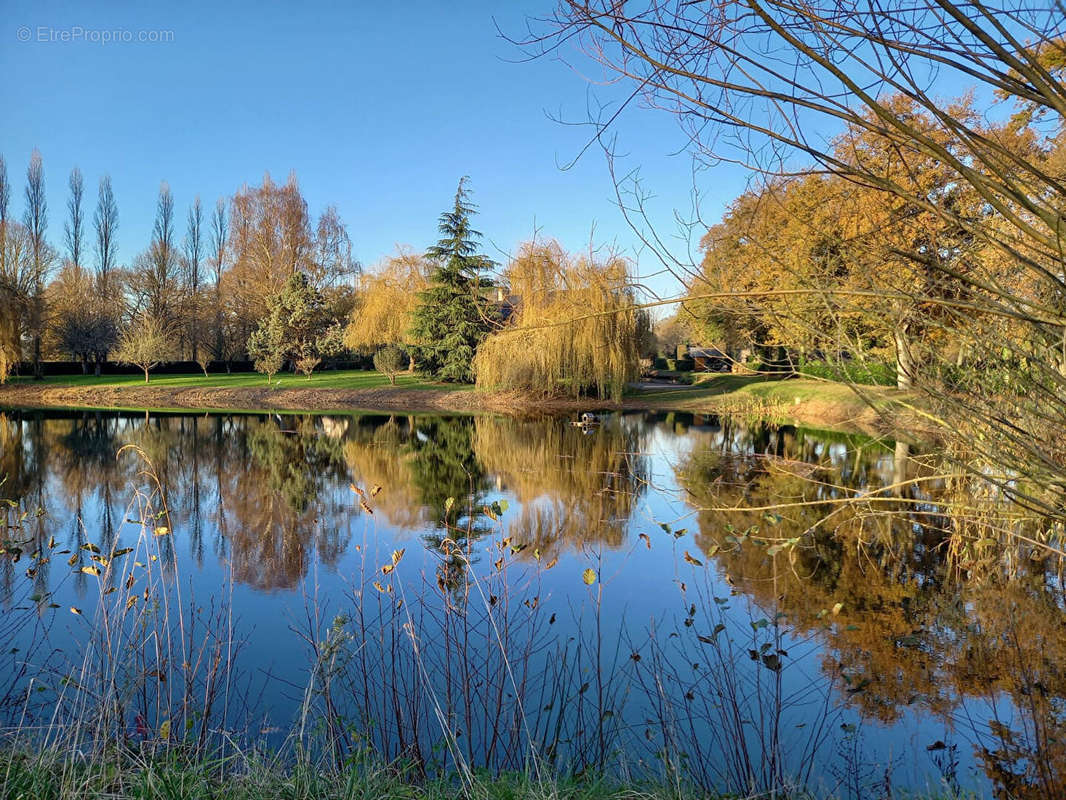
(453, 591)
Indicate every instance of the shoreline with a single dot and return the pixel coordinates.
(793, 401)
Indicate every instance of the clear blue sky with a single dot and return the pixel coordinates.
(378, 108)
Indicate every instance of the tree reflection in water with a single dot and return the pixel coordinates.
(918, 624)
(927, 618)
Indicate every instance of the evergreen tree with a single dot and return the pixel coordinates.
(298, 328)
(452, 317)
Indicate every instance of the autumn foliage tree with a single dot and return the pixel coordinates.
(271, 236)
(974, 245)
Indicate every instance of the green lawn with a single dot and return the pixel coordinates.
(755, 392)
(332, 379)
(710, 385)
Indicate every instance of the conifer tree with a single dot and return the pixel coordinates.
(297, 329)
(452, 317)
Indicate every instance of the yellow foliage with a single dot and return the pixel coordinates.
(576, 328)
(386, 299)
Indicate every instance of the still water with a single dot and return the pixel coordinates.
(472, 589)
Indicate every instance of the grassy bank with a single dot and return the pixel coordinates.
(171, 775)
(337, 391)
(805, 401)
(332, 379)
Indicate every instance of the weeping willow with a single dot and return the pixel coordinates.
(576, 328)
(574, 490)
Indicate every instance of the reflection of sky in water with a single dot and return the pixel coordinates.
(272, 498)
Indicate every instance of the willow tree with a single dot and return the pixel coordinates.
(385, 303)
(576, 328)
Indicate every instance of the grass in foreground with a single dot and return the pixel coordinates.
(170, 775)
(328, 379)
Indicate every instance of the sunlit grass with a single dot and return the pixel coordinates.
(770, 388)
(329, 379)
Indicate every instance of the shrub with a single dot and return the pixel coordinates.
(390, 360)
(871, 373)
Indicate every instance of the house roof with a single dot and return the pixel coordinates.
(706, 352)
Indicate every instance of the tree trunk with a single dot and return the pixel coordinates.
(38, 370)
(99, 364)
(410, 362)
(899, 466)
(145, 374)
(84, 365)
(904, 361)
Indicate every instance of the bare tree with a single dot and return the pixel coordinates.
(107, 299)
(194, 247)
(332, 261)
(75, 218)
(219, 242)
(5, 199)
(17, 285)
(36, 222)
(194, 244)
(163, 226)
(105, 220)
(146, 343)
(155, 274)
(5, 192)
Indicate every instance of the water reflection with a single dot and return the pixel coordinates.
(915, 627)
(888, 588)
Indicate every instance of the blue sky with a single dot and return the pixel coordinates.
(378, 108)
